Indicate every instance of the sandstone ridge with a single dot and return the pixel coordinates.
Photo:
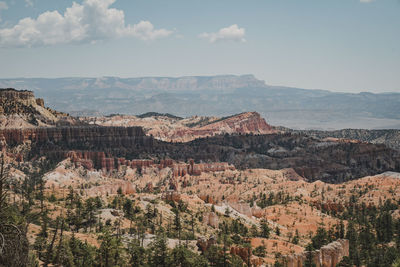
(174, 129)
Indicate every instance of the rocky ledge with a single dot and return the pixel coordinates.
(328, 256)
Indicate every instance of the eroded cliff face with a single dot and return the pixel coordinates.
(20, 109)
(173, 129)
(95, 137)
(311, 158)
(99, 160)
(328, 256)
(244, 123)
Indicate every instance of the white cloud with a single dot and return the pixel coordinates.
(91, 21)
(231, 33)
(366, 1)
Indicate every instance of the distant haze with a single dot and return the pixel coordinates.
(216, 95)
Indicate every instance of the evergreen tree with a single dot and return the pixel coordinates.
(309, 258)
(159, 250)
(265, 230)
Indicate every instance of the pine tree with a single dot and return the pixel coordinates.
(159, 250)
(265, 230)
(309, 258)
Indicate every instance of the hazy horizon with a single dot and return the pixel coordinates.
(187, 76)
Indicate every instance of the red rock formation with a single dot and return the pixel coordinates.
(242, 252)
(244, 123)
(328, 256)
(166, 163)
(196, 169)
(99, 160)
(207, 199)
(141, 163)
(256, 261)
(211, 219)
(257, 212)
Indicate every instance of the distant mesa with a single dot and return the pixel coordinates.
(218, 96)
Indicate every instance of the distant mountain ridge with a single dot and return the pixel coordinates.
(216, 96)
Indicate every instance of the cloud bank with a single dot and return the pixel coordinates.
(89, 22)
(231, 33)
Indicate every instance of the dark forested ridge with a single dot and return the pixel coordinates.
(389, 137)
(312, 158)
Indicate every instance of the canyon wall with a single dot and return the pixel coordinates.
(16, 102)
(20, 109)
(90, 136)
(110, 147)
(99, 160)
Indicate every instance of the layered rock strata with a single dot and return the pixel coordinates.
(99, 160)
(21, 109)
(311, 158)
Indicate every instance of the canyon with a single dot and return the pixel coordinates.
(258, 193)
(311, 158)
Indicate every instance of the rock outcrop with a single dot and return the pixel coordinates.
(328, 256)
(244, 123)
(243, 252)
(91, 136)
(242, 207)
(211, 219)
(20, 109)
(99, 160)
(174, 129)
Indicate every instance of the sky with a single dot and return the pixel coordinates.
(338, 45)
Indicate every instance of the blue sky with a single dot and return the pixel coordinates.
(339, 45)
